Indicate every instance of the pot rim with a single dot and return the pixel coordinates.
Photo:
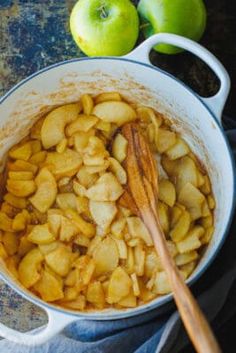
(119, 314)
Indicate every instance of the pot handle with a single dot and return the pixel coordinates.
(57, 321)
(215, 103)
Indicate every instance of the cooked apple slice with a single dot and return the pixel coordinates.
(95, 294)
(185, 172)
(152, 263)
(115, 112)
(93, 169)
(186, 258)
(211, 202)
(87, 103)
(11, 242)
(193, 199)
(81, 139)
(25, 246)
(47, 248)
(179, 149)
(122, 248)
(82, 204)
(79, 189)
(68, 230)
(35, 131)
(118, 226)
(93, 161)
(49, 287)
(41, 234)
(20, 175)
(29, 268)
(148, 115)
(20, 221)
(103, 213)
(82, 240)
(169, 166)
(85, 178)
(167, 192)
(54, 221)
(20, 165)
(86, 266)
(145, 294)
(5, 222)
(53, 127)
(119, 148)
(106, 256)
(104, 126)
(35, 146)
(107, 188)
(38, 157)
(163, 212)
(181, 171)
(83, 124)
(21, 188)
(96, 147)
(93, 244)
(66, 200)
(119, 285)
(130, 301)
(190, 243)
(11, 262)
(60, 260)
(61, 146)
(181, 227)
(207, 222)
(22, 152)
(8, 210)
(78, 304)
(206, 187)
(46, 192)
(117, 169)
(161, 284)
(139, 259)
(175, 213)
(207, 236)
(205, 209)
(135, 284)
(18, 202)
(165, 140)
(129, 265)
(64, 164)
(107, 96)
(200, 179)
(70, 294)
(88, 229)
(137, 229)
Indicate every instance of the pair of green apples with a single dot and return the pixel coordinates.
(111, 27)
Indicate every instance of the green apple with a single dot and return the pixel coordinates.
(104, 27)
(183, 17)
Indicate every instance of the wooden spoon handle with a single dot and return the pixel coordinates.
(194, 320)
(141, 197)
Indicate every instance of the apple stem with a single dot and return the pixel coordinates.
(103, 12)
(144, 25)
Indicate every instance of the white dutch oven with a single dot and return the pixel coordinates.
(198, 119)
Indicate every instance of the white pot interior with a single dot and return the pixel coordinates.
(65, 83)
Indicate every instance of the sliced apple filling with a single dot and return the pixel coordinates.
(69, 231)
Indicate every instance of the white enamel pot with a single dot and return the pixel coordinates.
(197, 118)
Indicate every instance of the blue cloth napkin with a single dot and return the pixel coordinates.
(156, 331)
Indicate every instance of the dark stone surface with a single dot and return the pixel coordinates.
(35, 33)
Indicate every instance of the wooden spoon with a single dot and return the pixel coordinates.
(141, 196)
